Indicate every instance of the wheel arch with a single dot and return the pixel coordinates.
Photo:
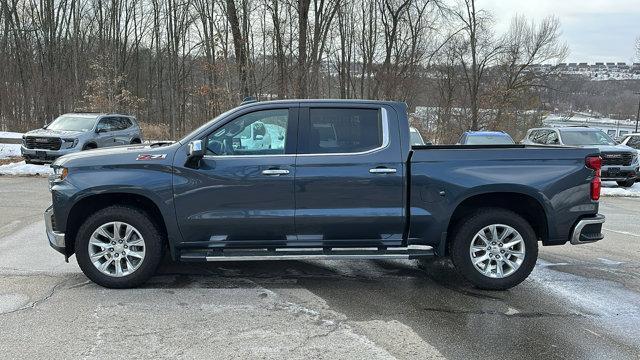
(90, 145)
(88, 205)
(523, 204)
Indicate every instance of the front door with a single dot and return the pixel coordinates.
(242, 193)
(349, 177)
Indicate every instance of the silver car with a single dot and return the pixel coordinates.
(619, 162)
(79, 131)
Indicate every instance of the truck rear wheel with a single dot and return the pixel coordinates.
(495, 249)
(626, 183)
(118, 247)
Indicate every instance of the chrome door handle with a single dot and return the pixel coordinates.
(382, 171)
(275, 172)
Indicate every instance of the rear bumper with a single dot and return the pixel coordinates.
(56, 239)
(587, 230)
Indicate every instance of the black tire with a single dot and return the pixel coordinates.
(136, 141)
(89, 147)
(153, 241)
(27, 161)
(466, 231)
(626, 183)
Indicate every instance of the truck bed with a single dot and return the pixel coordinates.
(554, 180)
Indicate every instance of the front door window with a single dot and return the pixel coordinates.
(257, 133)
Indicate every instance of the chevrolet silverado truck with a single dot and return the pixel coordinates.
(320, 179)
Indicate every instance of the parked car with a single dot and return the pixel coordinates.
(357, 191)
(619, 162)
(414, 137)
(485, 138)
(78, 131)
(631, 140)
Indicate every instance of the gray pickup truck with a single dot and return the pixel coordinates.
(320, 179)
(619, 162)
(75, 132)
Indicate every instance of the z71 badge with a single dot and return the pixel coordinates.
(142, 157)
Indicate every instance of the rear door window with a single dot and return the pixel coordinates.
(124, 123)
(539, 136)
(346, 130)
(108, 124)
(552, 138)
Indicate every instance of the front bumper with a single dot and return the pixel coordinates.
(619, 173)
(56, 239)
(587, 230)
(45, 156)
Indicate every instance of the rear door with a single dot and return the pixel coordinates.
(242, 193)
(124, 130)
(349, 176)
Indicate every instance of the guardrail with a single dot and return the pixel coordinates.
(10, 141)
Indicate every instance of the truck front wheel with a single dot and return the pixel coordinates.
(118, 247)
(495, 249)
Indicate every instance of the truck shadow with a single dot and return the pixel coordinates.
(436, 275)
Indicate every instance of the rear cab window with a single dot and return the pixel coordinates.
(342, 131)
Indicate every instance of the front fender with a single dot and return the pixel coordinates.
(151, 181)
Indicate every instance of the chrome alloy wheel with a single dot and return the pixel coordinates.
(497, 251)
(116, 249)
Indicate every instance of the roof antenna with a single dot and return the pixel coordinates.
(249, 100)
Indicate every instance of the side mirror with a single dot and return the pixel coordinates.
(101, 130)
(195, 154)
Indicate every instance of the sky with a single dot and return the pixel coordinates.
(595, 30)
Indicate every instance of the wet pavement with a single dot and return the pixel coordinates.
(580, 302)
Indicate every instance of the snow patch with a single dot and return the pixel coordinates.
(612, 189)
(21, 168)
(9, 150)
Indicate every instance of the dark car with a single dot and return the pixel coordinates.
(335, 180)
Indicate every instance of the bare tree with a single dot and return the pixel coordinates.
(302, 70)
(477, 53)
(519, 73)
(239, 45)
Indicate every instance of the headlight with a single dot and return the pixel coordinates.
(60, 173)
(70, 143)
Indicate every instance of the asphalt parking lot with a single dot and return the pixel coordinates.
(580, 302)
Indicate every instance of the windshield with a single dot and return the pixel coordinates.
(634, 141)
(489, 140)
(73, 123)
(208, 124)
(586, 137)
(415, 138)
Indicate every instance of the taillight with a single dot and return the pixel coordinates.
(596, 185)
(595, 163)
